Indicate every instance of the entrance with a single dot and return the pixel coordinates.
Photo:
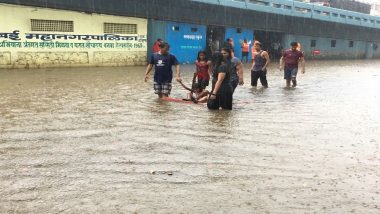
(271, 42)
(215, 39)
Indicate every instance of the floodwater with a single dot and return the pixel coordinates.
(97, 140)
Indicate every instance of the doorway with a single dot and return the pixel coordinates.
(215, 39)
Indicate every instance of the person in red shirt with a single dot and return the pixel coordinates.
(289, 62)
(156, 46)
(203, 70)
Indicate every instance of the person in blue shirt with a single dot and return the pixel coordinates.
(163, 73)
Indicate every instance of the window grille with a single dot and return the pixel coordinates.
(52, 25)
(313, 43)
(116, 28)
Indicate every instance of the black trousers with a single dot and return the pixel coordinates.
(262, 75)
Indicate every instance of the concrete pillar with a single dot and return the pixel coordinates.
(369, 50)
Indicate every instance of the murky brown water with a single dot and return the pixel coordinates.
(98, 141)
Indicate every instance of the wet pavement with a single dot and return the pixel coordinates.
(97, 140)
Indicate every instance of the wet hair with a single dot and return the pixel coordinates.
(159, 40)
(217, 59)
(164, 45)
(294, 44)
(202, 52)
(228, 50)
(258, 43)
(229, 39)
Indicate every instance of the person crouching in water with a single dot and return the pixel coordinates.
(197, 93)
(259, 66)
(163, 73)
(203, 70)
(221, 93)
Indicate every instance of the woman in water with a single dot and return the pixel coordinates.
(221, 93)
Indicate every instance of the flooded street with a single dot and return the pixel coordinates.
(97, 140)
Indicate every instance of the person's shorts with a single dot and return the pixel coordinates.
(290, 73)
(162, 88)
(203, 83)
(245, 54)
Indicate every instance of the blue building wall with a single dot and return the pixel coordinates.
(186, 40)
(341, 50)
(238, 35)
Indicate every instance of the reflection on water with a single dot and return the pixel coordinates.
(91, 137)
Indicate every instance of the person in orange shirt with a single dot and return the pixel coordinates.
(253, 51)
(245, 50)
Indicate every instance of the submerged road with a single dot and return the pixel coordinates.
(97, 140)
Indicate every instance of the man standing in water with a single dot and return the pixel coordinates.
(289, 62)
(163, 75)
(259, 66)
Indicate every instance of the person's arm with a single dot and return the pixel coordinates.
(218, 83)
(209, 63)
(302, 61)
(184, 86)
(266, 56)
(282, 63)
(194, 78)
(240, 72)
(148, 70)
(178, 73)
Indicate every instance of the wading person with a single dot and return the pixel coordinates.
(163, 73)
(236, 68)
(203, 69)
(245, 50)
(259, 66)
(289, 62)
(253, 51)
(221, 93)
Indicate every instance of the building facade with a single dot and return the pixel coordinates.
(54, 33)
(42, 37)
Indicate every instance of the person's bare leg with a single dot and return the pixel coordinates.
(288, 83)
(294, 83)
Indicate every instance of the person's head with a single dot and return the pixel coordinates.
(245, 40)
(159, 40)
(226, 52)
(294, 45)
(164, 47)
(218, 59)
(196, 87)
(201, 56)
(257, 46)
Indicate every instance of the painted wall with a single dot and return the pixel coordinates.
(88, 45)
(186, 40)
(238, 36)
(342, 49)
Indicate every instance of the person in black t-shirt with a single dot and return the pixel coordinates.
(221, 93)
(163, 73)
